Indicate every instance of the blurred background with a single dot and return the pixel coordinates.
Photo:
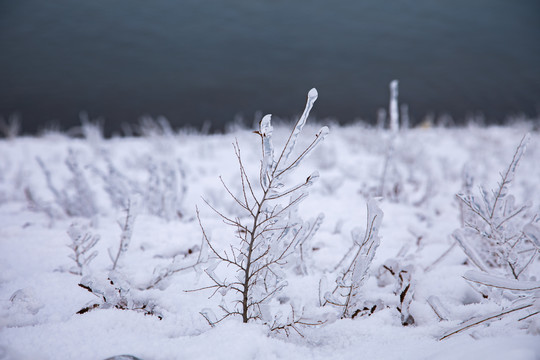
(214, 61)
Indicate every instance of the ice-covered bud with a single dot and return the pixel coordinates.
(312, 178)
(323, 132)
(313, 94)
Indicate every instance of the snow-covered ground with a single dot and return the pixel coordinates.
(167, 175)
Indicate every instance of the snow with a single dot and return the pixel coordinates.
(39, 299)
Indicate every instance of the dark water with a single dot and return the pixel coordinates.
(197, 60)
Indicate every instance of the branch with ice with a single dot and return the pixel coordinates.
(272, 233)
(497, 233)
(115, 292)
(355, 271)
(127, 231)
(182, 262)
(501, 239)
(82, 243)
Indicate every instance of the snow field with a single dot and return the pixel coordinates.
(41, 321)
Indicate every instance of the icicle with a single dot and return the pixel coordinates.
(394, 113)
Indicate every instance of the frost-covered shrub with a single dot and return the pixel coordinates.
(353, 269)
(14, 177)
(493, 236)
(117, 185)
(91, 130)
(116, 292)
(501, 239)
(38, 205)
(165, 189)
(75, 198)
(268, 231)
(161, 194)
(127, 231)
(405, 176)
(150, 128)
(82, 244)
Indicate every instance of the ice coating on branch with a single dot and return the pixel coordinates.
(323, 132)
(508, 177)
(365, 255)
(291, 143)
(495, 231)
(533, 233)
(127, 230)
(394, 112)
(501, 282)
(438, 307)
(82, 242)
(349, 283)
(266, 129)
(460, 236)
(270, 234)
(312, 178)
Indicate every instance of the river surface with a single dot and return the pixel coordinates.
(213, 60)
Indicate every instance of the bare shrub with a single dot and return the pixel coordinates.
(268, 234)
